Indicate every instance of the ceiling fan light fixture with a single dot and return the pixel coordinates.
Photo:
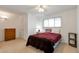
(41, 10)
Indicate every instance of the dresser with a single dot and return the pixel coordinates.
(10, 34)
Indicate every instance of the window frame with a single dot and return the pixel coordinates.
(54, 22)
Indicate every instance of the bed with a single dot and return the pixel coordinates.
(44, 41)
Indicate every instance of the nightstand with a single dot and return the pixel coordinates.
(72, 39)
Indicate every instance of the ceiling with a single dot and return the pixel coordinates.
(23, 9)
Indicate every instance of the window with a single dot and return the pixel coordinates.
(57, 22)
(54, 22)
(46, 23)
(51, 23)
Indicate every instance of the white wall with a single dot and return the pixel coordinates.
(78, 27)
(13, 21)
(25, 27)
(33, 21)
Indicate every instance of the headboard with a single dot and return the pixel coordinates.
(53, 30)
(48, 30)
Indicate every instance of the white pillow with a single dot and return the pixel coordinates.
(56, 30)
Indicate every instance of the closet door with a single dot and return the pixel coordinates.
(10, 34)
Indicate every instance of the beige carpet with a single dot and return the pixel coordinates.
(19, 46)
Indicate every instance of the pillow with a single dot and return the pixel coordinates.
(53, 30)
(48, 30)
(56, 31)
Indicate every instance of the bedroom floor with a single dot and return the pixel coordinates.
(18, 46)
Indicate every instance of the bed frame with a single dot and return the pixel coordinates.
(56, 44)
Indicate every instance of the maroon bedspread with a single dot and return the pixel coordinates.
(44, 41)
(53, 37)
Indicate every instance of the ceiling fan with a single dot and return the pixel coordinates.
(41, 8)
